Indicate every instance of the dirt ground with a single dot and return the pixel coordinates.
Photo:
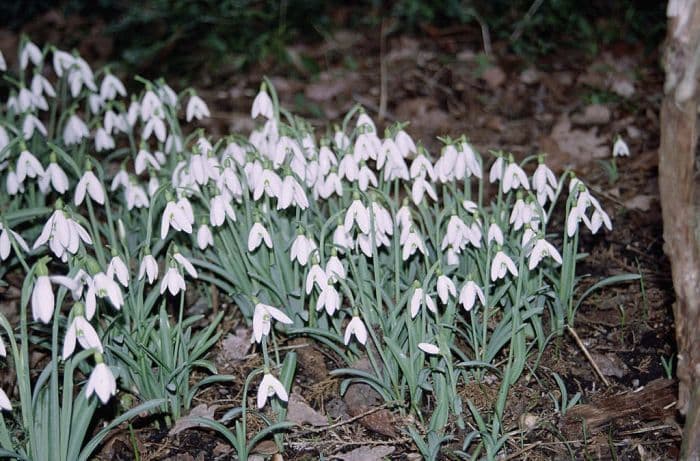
(570, 105)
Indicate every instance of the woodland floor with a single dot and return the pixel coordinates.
(570, 104)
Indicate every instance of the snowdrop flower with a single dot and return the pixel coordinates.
(62, 61)
(316, 276)
(219, 208)
(186, 264)
(428, 348)
(196, 108)
(497, 170)
(468, 294)
(341, 140)
(62, 234)
(420, 167)
(357, 328)
(30, 124)
(349, 168)
(405, 144)
(3, 350)
(103, 140)
(30, 52)
(150, 106)
(495, 234)
(3, 64)
(541, 249)
(419, 188)
(502, 264)
(513, 178)
(419, 299)
(598, 218)
(148, 268)
(445, 288)
(92, 186)
(173, 281)
(154, 125)
(366, 177)
(12, 184)
(342, 238)
(105, 287)
(82, 331)
(572, 221)
(412, 243)
(302, 248)
(55, 177)
(329, 299)
(270, 386)
(257, 235)
(262, 316)
(6, 244)
(75, 130)
(270, 183)
(42, 296)
(357, 213)
(291, 192)
(177, 216)
(111, 87)
(28, 166)
(262, 105)
(118, 268)
(101, 382)
(544, 182)
(620, 148)
(204, 237)
(335, 268)
(5, 403)
(468, 157)
(454, 236)
(521, 214)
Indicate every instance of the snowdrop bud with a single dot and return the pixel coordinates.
(101, 382)
(262, 105)
(196, 108)
(620, 148)
(42, 295)
(121, 232)
(204, 237)
(148, 268)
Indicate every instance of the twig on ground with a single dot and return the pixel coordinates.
(588, 356)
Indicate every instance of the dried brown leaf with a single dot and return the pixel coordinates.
(299, 411)
(186, 422)
(366, 453)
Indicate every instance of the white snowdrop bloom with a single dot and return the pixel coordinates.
(135, 196)
(5, 403)
(475, 235)
(199, 168)
(118, 268)
(150, 106)
(357, 213)
(357, 328)
(105, 287)
(12, 184)
(316, 277)
(495, 234)
(454, 236)
(26, 100)
(285, 148)
(173, 281)
(43, 301)
(55, 177)
(3, 350)
(335, 268)
(412, 243)
(114, 123)
(154, 125)
(329, 299)
(302, 248)
(262, 105)
(405, 144)
(326, 160)
(229, 181)
(396, 168)
(270, 386)
(528, 239)
(62, 61)
(521, 214)
(75, 130)
(204, 237)
(257, 235)
(102, 383)
(451, 257)
(133, 113)
(80, 330)
(382, 219)
(143, 160)
(153, 185)
(30, 52)
(77, 79)
(445, 288)
(86, 73)
(3, 64)
(419, 188)
(262, 320)
(167, 94)
(620, 148)
(572, 221)
(364, 243)
(63, 234)
(366, 177)
(291, 193)
(342, 238)
(186, 264)
(6, 244)
(497, 170)
(103, 140)
(420, 298)
(148, 268)
(470, 206)
(74, 284)
(389, 151)
(330, 185)
(469, 293)
(92, 186)
(428, 348)
(341, 140)
(4, 138)
(599, 218)
(28, 166)
(174, 216)
(96, 103)
(420, 167)
(367, 146)
(513, 178)
(269, 183)
(349, 168)
(219, 208)
(111, 87)
(541, 249)
(467, 156)
(31, 124)
(501, 265)
(543, 179)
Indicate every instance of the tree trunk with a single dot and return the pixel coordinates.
(678, 201)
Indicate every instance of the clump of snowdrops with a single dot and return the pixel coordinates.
(365, 241)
